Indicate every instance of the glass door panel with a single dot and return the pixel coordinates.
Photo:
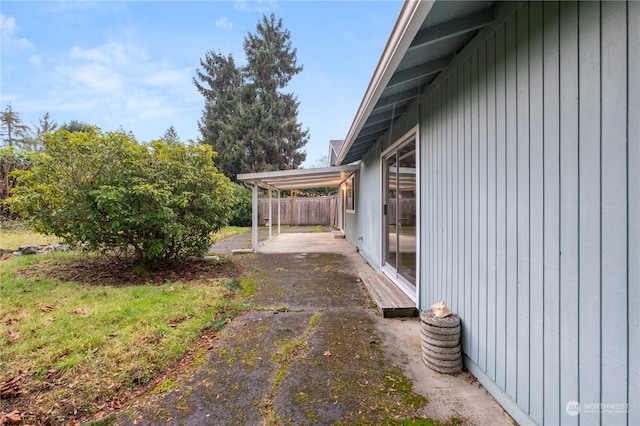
(399, 207)
(390, 211)
(406, 212)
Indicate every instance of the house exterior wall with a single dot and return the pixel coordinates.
(530, 208)
(367, 222)
(363, 227)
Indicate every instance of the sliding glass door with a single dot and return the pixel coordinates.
(399, 208)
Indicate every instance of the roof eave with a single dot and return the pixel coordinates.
(410, 19)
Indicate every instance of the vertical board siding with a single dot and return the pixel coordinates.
(492, 299)
(633, 213)
(482, 206)
(467, 262)
(522, 189)
(536, 213)
(589, 193)
(551, 214)
(501, 210)
(511, 180)
(529, 178)
(568, 187)
(614, 207)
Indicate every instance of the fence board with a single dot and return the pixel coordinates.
(306, 211)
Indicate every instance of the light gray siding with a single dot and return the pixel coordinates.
(364, 228)
(529, 191)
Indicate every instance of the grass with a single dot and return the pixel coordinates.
(14, 234)
(77, 346)
(227, 232)
(284, 354)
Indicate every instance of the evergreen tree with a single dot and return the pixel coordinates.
(221, 122)
(247, 119)
(171, 135)
(14, 131)
(34, 140)
(46, 125)
(77, 126)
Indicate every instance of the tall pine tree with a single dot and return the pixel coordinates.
(247, 118)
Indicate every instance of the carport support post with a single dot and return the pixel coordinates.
(278, 212)
(270, 221)
(254, 217)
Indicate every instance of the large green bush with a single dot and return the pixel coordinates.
(10, 159)
(241, 214)
(158, 202)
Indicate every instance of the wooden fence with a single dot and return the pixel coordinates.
(304, 211)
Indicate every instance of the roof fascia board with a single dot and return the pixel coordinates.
(298, 172)
(297, 178)
(410, 19)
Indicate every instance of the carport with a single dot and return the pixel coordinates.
(285, 180)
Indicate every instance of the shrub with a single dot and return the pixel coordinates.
(159, 201)
(10, 159)
(241, 210)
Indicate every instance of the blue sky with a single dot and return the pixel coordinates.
(131, 63)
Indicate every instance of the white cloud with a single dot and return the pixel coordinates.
(224, 23)
(112, 53)
(8, 31)
(35, 60)
(167, 77)
(94, 77)
(259, 6)
(119, 83)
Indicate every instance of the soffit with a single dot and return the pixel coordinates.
(446, 29)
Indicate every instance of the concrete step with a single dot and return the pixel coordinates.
(391, 301)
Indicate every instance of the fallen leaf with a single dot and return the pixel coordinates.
(14, 336)
(327, 353)
(12, 418)
(47, 308)
(10, 388)
(80, 311)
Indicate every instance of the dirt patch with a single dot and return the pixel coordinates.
(111, 271)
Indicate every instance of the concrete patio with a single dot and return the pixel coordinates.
(450, 396)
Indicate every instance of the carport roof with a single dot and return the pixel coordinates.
(300, 178)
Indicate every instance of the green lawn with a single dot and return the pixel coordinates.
(227, 232)
(76, 346)
(14, 234)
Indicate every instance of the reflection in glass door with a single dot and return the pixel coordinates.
(399, 208)
(390, 211)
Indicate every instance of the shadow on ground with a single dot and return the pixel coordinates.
(308, 354)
